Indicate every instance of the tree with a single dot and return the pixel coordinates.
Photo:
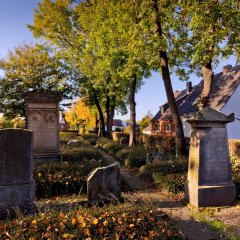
(214, 28)
(145, 121)
(29, 67)
(81, 114)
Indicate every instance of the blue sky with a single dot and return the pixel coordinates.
(16, 14)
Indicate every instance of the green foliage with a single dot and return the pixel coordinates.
(160, 143)
(164, 167)
(132, 157)
(113, 147)
(169, 175)
(145, 121)
(59, 179)
(172, 182)
(123, 221)
(29, 67)
(90, 138)
(80, 154)
(116, 136)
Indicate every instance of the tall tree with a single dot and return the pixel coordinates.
(29, 67)
(214, 32)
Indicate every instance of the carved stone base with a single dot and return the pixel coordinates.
(47, 157)
(16, 198)
(210, 196)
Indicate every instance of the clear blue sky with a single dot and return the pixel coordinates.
(15, 14)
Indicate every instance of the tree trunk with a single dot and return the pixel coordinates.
(101, 131)
(109, 129)
(110, 108)
(208, 76)
(132, 103)
(180, 141)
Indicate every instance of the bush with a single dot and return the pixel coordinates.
(160, 143)
(90, 138)
(127, 221)
(116, 136)
(113, 147)
(82, 153)
(234, 148)
(59, 179)
(164, 167)
(101, 141)
(172, 182)
(65, 136)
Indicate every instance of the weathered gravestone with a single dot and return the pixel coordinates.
(103, 184)
(209, 171)
(16, 172)
(154, 157)
(42, 117)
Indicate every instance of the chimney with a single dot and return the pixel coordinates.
(226, 69)
(189, 87)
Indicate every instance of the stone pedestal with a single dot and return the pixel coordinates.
(209, 171)
(42, 117)
(17, 188)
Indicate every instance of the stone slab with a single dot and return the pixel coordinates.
(47, 157)
(103, 184)
(16, 198)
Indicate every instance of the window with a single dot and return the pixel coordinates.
(167, 127)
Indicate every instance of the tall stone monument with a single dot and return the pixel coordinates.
(42, 117)
(17, 187)
(209, 170)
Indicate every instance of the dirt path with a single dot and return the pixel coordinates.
(178, 210)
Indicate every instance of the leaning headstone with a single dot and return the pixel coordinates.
(209, 171)
(42, 117)
(103, 184)
(16, 172)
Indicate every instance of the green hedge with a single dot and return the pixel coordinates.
(160, 143)
(116, 136)
(132, 157)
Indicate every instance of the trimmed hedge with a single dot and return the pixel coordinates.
(160, 143)
(116, 136)
(133, 157)
(169, 175)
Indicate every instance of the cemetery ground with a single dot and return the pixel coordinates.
(152, 204)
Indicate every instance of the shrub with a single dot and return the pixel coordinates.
(160, 143)
(234, 148)
(128, 221)
(101, 141)
(113, 147)
(116, 136)
(172, 182)
(65, 136)
(82, 153)
(90, 138)
(132, 157)
(164, 167)
(59, 179)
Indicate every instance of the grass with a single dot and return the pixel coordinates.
(209, 216)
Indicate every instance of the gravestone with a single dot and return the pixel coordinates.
(42, 117)
(103, 184)
(16, 172)
(209, 170)
(154, 157)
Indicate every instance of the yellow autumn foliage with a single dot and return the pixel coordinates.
(81, 114)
